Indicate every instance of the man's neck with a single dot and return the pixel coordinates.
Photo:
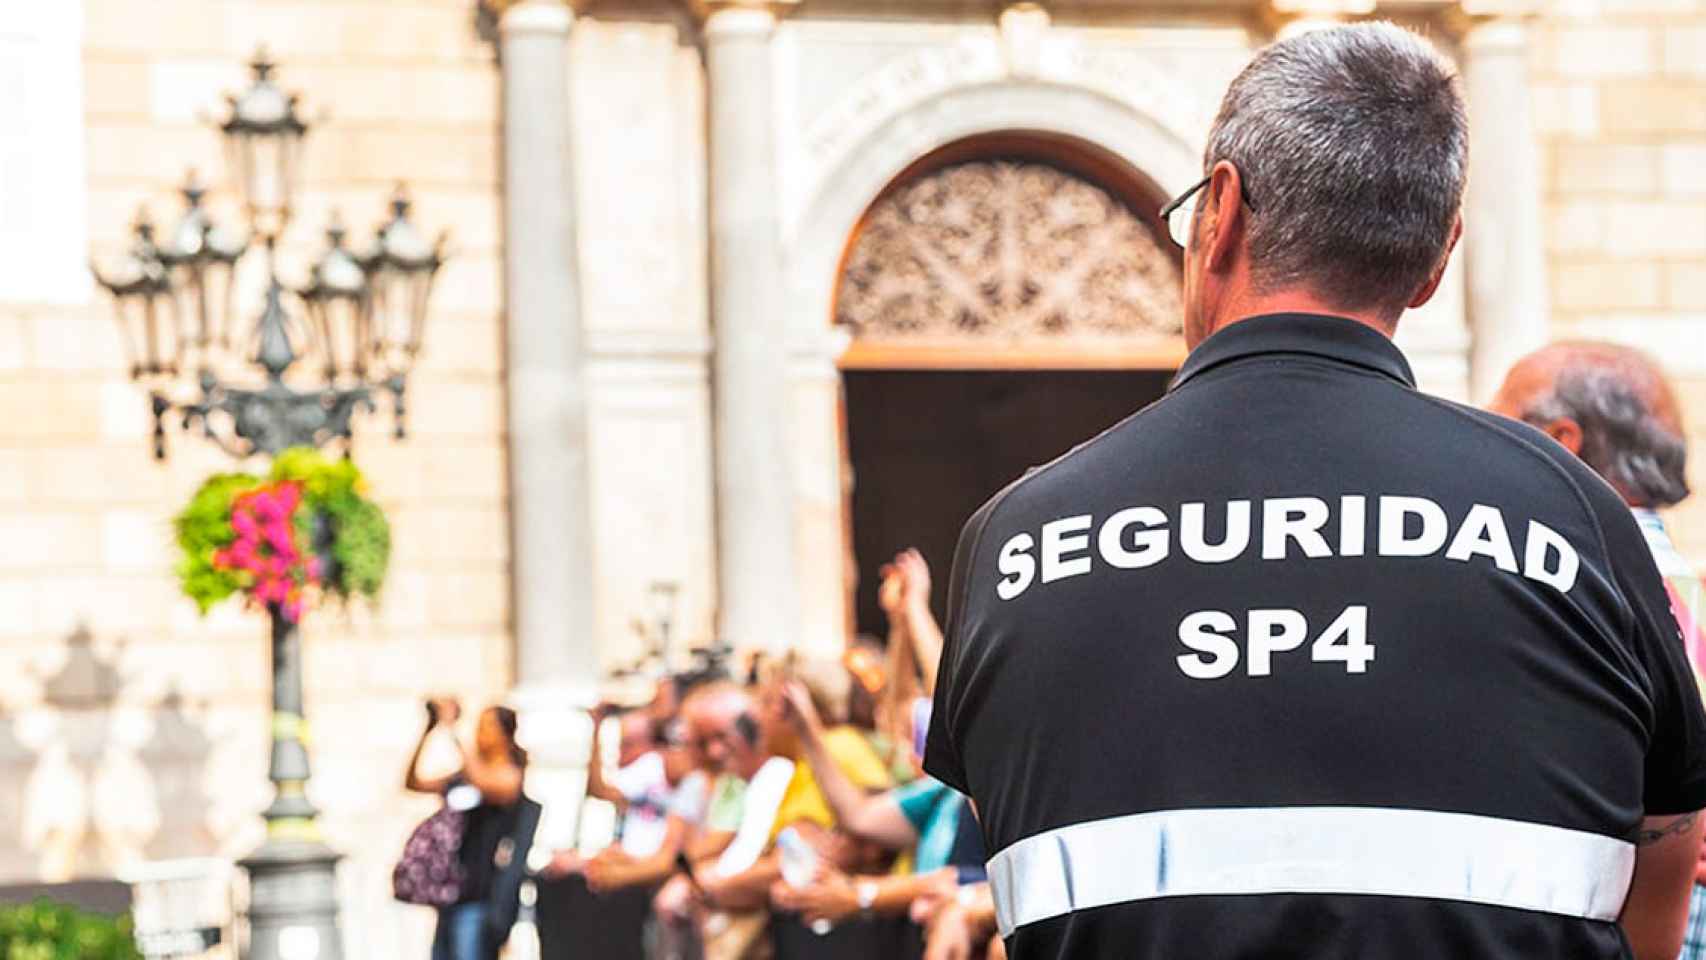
(1296, 300)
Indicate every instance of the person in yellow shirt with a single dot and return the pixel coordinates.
(737, 888)
(848, 747)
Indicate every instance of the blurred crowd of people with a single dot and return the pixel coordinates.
(771, 810)
(779, 809)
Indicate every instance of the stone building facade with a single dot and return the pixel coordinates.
(719, 272)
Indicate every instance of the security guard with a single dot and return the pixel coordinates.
(1298, 661)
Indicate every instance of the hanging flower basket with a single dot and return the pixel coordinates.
(285, 541)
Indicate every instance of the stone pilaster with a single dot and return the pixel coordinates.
(1503, 239)
(556, 657)
(756, 549)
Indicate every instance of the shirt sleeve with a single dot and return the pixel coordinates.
(942, 748)
(1676, 753)
(918, 800)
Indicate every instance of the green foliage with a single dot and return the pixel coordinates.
(45, 930)
(361, 537)
(320, 478)
(203, 528)
(362, 547)
(335, 520)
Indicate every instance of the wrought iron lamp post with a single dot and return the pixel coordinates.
(365, 312)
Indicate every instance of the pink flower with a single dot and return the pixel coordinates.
(265, 505)
(266, 547)
(278, 537)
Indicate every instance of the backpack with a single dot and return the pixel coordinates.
(430, 870)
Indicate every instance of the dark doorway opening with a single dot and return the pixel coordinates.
(927, 448)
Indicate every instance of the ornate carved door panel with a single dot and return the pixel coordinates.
(1008, 256)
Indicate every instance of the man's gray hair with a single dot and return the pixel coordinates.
(1353, 145)
(1622, 440)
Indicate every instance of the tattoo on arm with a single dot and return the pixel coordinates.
(1646, 836)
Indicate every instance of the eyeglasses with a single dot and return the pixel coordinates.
(1178, 214)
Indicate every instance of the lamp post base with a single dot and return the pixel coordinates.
(293, 902)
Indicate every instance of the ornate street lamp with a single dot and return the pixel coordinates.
(263, 139)
(365, 316)
(400, 268)
(143, 303)
(340, 308)
(200, 259)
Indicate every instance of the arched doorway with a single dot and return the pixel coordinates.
(1008, 297)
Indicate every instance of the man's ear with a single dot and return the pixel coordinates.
(1223, 225)
(1426, 292)
(1567, 432)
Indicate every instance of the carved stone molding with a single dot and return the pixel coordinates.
(1499, 22)
(500, 7)
(1023, 27)
(1006, 252)
(532, 16)
(1505, 9)
(1132, 78)
(1458, 17)
(1288, 18)
(740, 12)
(897, 85)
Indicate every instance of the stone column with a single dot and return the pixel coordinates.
(1503, 238)
(756, 549)
(556, 657)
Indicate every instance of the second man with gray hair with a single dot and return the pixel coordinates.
(1299, 661)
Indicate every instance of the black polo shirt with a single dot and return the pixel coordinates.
(1301, 662)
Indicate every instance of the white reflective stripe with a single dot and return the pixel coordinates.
(1325, 850)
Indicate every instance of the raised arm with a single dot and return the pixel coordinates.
(1656, 910)
(438, 711)
(921, 626)
(877, 818)
(597, 786)
(894, 705)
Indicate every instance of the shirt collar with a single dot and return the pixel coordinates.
(1320, 335)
